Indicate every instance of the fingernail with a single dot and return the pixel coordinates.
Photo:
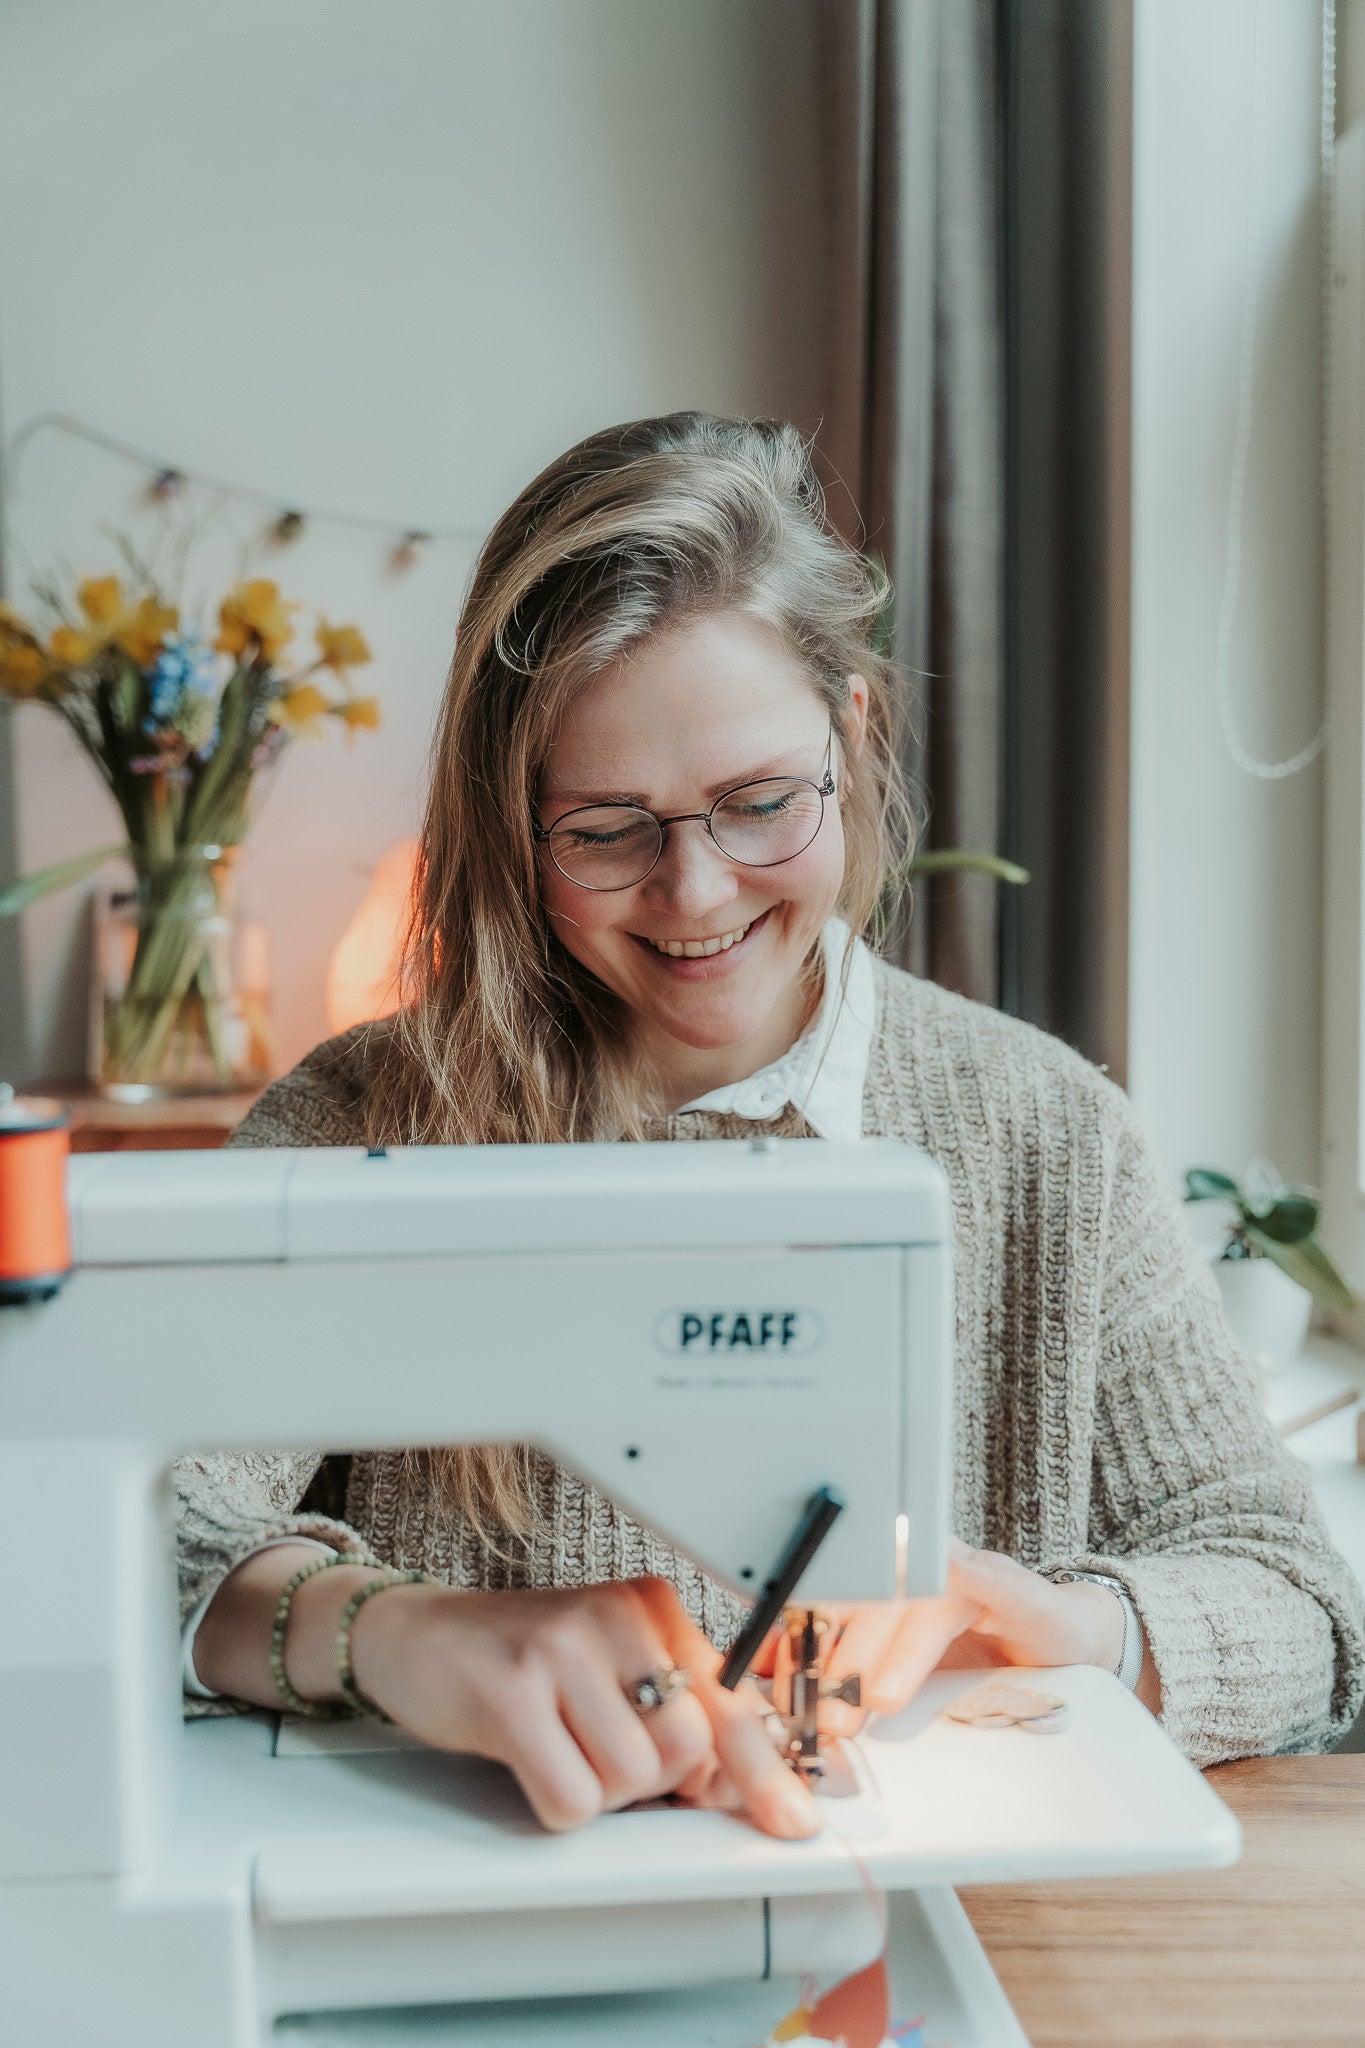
(799, 1814)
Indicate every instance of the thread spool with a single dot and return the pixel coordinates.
(35, 1234)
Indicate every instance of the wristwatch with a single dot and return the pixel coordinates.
(1129, 1668)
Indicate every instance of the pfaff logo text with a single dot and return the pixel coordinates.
(697, 1332)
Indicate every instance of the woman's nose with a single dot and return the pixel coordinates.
(692, 875)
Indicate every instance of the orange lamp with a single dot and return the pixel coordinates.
(363, 975)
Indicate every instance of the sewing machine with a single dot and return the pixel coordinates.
(712, 1333)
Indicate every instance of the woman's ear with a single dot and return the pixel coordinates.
(856, 715)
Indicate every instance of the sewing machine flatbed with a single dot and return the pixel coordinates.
(379, 1874)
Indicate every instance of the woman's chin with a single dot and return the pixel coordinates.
(707, 1031)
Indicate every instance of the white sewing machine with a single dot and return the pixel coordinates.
(711, 1332)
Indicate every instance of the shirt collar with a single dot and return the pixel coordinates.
(824, 1074)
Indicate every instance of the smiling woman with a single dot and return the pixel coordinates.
(663, 807)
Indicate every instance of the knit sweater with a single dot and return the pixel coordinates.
(1103, 1416)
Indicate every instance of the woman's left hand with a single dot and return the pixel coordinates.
(995, 1611)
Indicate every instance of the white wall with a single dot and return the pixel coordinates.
(1224, 951)
(384, 258)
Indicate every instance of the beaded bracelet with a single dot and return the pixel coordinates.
(345, 1676)
(294, 1702)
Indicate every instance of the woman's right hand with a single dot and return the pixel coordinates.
(534, 1680)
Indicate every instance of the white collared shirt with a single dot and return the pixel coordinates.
(823, 1075)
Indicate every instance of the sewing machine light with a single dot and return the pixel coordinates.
(902, 1553)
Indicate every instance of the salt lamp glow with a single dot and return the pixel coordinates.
(362, 979)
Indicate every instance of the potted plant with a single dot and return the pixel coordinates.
(1273, 1266)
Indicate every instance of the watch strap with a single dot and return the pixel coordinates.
(1129, 1667)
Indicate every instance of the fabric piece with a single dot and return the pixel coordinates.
(1103, 1417)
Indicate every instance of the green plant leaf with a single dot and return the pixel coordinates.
(1289, 1219)
(1203, 1184)
(950, 861)
(1310, 1263)
(61, 875)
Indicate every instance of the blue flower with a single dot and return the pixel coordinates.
(187, 667)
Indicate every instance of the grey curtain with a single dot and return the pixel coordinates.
(975, 435)
(912, 435)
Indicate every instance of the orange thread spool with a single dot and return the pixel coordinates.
(35, 1235)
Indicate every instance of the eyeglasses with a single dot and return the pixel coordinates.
(760, 825)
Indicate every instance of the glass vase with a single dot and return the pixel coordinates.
(180, 1000)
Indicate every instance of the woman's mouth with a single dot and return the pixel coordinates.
(691, 952)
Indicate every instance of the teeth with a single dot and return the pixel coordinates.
(698, 949)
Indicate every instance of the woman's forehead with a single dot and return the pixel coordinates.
(721, 696)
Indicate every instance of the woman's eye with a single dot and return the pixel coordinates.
(759, 809)
(594, 841)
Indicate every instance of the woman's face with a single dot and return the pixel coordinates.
(692, 713)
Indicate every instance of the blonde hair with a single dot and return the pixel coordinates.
(504, 1037)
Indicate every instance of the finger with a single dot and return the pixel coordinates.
(868, 1634)
(611, 1734)
(678, 1733)
(680, 1635)
(761, 1781)
(562, 1787)
(924, 1632)
(775, 1800)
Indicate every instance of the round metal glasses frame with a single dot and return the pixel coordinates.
(544, 834)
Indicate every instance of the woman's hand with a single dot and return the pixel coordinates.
(536, 1681)
(995, 1611)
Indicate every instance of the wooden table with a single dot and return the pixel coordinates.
(1270, 1954)
(180, 1123)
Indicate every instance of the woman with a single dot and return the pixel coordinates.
(662, 809)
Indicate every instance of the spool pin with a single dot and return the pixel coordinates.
(35, 1235)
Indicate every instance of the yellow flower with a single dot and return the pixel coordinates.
(101, 599)
(114, 621)
(254, 615)
(357, 713)
(341, 647)
(22, 661)
(301, 710)
(139, 633)
(70, 647)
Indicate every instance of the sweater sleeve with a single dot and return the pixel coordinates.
(1253, 1620)
(229, 1503)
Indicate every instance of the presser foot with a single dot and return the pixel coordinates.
(821, 1765)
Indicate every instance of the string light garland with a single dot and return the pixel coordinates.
(166, 483)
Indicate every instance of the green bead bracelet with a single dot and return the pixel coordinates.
(345, 1676)
(294, 1702)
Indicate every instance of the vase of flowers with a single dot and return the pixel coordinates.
(180, 726)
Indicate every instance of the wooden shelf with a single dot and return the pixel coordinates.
(180, 1123)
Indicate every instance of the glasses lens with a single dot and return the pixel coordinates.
(767, 822)
(608, 847)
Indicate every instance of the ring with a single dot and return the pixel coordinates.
(657, 1688)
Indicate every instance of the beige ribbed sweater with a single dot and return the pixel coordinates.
(1104, 1418)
